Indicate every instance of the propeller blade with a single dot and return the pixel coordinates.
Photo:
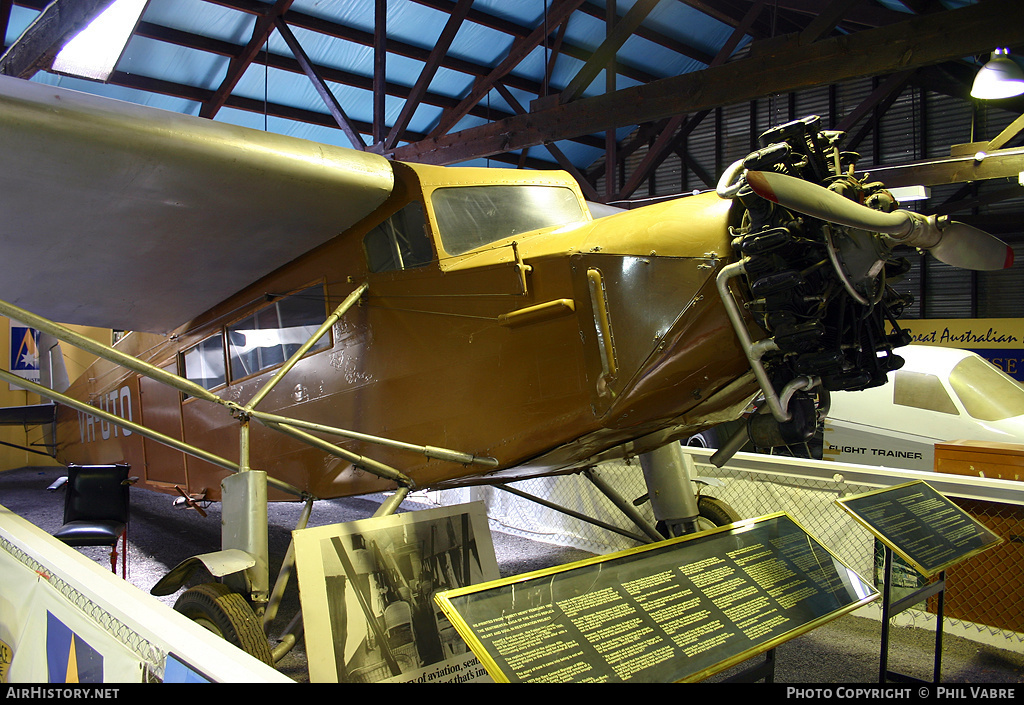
(956, 244)
(818, 202)
(967, 247)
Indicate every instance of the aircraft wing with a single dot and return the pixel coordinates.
(123, 216)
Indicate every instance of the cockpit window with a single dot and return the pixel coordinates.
(471, 216)
(988, 393)
(921, 391)
(400, 242)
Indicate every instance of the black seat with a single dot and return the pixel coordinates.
(96, 509)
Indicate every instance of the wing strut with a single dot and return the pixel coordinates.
(248, 510)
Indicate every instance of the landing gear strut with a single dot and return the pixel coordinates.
(668, 472)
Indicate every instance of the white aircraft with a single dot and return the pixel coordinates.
(939, 395)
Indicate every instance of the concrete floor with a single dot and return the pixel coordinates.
(844, 651)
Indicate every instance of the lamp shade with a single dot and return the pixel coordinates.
(1001, 77)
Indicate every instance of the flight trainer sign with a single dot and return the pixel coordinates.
(998, 340)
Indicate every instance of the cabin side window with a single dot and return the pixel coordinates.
(274, 333)
(204, 363)
(922, 391)
(400, 242)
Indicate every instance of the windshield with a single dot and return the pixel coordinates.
(986, 391)
(471, 216)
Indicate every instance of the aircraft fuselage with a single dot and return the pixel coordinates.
(543, 349)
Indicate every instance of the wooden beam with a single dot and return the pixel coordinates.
(779, 23)
(604, 55)
(862, 15)
(974, 201)
(611, 141)
(880, 100)
(1011, 131)
(893, 84)
(1005, 163)
(667, 140)
(640, 138)
(363, 38)
(419, 90)
(654, 36)
(690, 163)
(559, 11)
(711, 8)
(553, 53)
(55, 26)
(919, 6)
(250, 105)
(380, 59)
(664, 145)
(5, 18)
(289, 64)
(520, 31)
(918, 41)
(337, 112)
(588, 189)
(826, 21)
(239, 63)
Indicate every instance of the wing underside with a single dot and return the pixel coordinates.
(122, 216)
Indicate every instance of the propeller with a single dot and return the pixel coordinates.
(957, 244)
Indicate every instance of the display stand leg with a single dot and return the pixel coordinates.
(886, 592)
(937, 669)
(891, 609)
(765, 670)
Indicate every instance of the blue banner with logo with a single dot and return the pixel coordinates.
(24, 359)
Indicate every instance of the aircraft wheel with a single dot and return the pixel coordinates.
(714, 512)
(708, 438)
(226, 613)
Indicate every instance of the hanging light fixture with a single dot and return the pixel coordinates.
(1001, 77)
(903, 194)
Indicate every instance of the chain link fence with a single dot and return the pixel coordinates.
(988, 589)
(983, 594)
(151, 655)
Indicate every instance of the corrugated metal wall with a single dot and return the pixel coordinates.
(916, 125)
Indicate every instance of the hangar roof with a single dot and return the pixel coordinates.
(662, 94)
(518, 82)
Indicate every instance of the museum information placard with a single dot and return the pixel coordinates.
(677, 610)
(920, 525)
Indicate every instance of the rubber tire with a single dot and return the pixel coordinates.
(227, 614)
(711, 513)
(716, 511)
(708, 438)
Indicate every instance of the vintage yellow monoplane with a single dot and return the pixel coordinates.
(310, 321)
